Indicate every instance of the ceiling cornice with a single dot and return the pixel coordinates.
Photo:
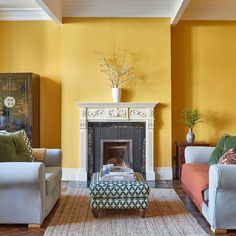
(52, 8)
(22, 14)
(114, 8)
(178, 10)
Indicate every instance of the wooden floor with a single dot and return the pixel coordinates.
(15, 230)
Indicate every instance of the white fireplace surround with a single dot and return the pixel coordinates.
(116, 112)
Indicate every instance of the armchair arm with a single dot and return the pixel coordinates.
(221, 211)
(222, 176)
(21, 174)
(53, 157)
(22, 192)
(198, 154)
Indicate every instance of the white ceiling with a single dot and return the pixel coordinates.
(175, 9)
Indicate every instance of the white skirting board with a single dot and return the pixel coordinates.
(73, 174)
(164, 173)
(70, 174)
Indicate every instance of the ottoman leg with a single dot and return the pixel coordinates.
(95, 213)
(142, 213)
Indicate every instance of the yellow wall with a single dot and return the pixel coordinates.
(204, 75)
(36, 47)
(64, 57)
(149, 42)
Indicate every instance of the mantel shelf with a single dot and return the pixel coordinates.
(119, 104)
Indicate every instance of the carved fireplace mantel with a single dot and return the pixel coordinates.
(117, 112)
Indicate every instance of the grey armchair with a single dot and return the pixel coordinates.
(29, 190)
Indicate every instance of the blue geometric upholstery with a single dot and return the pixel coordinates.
(118, 194)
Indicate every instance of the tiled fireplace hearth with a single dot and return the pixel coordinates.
(116, 129)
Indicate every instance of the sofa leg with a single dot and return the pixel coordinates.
(218, 231)
(36, 226)
(95, 213)
(142, 213)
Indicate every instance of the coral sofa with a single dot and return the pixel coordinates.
(212, 188)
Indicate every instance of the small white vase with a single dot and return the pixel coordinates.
(116, 94)
(190, 136)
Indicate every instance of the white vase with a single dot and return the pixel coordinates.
(190, 136)
(116, 94)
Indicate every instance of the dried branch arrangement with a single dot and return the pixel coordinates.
(119, 72)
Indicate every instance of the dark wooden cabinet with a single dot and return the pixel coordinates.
(19, 104)
(180, 159)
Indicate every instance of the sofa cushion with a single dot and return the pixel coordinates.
(195, 180)
(229, 157)
(226, 142)
(13, 147)
(230, 142)
(218, 151)
(53, 177)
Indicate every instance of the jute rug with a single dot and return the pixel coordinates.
(166, 215)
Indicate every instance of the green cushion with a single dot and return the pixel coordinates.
(226, 142)
(13, 147)
(230, 142)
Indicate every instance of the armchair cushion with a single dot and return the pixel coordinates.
(53, 177)
(13, 147)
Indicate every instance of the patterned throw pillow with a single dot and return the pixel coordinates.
(27, 142)
(39, 154)
(229, 157)
(13, 147)
(218, 151)
(226, 142)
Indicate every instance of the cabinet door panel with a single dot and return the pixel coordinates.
(16, 102)
(4, 111)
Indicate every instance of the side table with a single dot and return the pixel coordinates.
(180, 159)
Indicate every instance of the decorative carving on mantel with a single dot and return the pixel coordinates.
(126, 111)
(83, 113)
(118, 113)
(137, 113)
(95, 113)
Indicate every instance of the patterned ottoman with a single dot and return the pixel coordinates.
(118, 194)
